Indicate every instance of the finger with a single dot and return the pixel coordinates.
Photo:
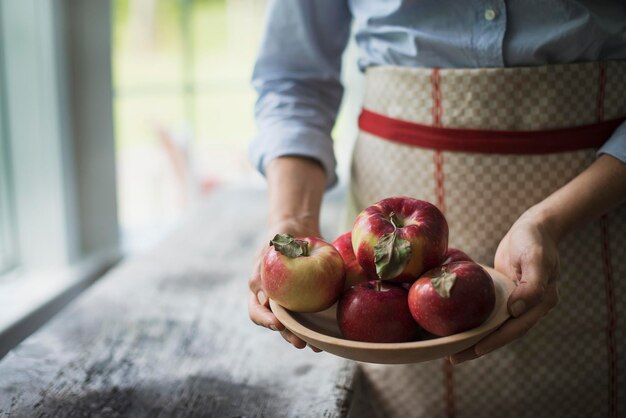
(262, 316)
(509, 269)
(255, 287)
(531, 288)
(465, 355)
(254, 283)
(315, 349)
(503, 263)
(514, 328)
(292, 339)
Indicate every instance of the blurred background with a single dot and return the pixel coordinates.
(117, 119)
(183, 106)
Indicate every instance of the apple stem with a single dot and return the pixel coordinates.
(393, 220)
(305, 247)
(378, 286)
(396, 221)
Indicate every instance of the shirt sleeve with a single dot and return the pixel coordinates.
(297, 77)
(616, 145)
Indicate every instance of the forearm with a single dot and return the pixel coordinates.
(296, 187)
(595, 191)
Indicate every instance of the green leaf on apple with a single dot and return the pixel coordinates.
(288, 246)
(391, 255)
(443, 282)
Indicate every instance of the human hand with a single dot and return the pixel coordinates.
(258, 303)
(527, 254)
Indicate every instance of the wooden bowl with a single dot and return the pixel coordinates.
(320, 330)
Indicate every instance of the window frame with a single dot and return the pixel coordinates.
(58, 137)
(8, 256)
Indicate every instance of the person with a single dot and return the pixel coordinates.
(510, 117)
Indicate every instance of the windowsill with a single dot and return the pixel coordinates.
(28, 300)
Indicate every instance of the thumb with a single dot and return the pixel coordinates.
(531, 288)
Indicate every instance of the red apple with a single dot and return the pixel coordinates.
(302, 274)
(377, 312)
(453, 255)
(354, 272)
(452, 298)
(399, 238)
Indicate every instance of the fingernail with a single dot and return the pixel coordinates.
(273, 328)
(518, 308)
(482, 351)
(463, 356)
(261, 297)
(455, 361)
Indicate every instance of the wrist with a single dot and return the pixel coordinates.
(548, 220)
(306, 219)
(590, 194)
(296, 187)
(300, 225)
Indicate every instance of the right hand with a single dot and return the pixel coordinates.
(258, 302)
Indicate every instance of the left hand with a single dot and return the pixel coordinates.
(527, 254)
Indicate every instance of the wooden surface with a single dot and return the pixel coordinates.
(168, 334)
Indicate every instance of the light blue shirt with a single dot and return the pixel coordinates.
(297, 73)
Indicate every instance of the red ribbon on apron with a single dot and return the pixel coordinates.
(488, 141)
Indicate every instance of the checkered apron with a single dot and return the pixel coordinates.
(573, 363)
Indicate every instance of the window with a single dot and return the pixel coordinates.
(7, 238)
(7, 244)
(58, 219)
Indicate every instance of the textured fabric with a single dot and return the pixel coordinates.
(573, 363)
(529, 98)
(297, 72)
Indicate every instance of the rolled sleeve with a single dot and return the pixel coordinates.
(616, 145)
(297, 77)
(296, 140)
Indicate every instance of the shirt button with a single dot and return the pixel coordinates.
(490, 14)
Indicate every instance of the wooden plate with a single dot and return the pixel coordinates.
(320, 330)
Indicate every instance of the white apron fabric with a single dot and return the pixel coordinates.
(573, 363)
